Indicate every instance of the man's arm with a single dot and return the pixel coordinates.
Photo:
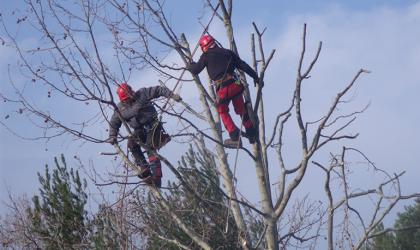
(150, 93)
(245, 67)
(114, 125)
(197, 67)
(156, 92)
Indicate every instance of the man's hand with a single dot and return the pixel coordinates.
(256, 81)
(112, 140)
(259, 82)
(189, 64)
(176, 97)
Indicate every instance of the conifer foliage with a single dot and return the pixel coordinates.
(405, 235)
(208, 214)
(59, 214)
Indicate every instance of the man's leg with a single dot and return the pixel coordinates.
(223, 109)
(155, 169)
(135, 150)
(139, 158)
(154, 162)
(240, 109)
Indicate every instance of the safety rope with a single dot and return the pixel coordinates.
(234, 178)
(234, 166)
(163, 109)
(192, 54)
(183, 71)
(240, 139)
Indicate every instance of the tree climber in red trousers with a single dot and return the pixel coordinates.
(220, 64)
(136, 108)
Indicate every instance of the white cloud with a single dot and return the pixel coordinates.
(382, 40)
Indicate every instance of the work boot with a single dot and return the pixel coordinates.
(234, 141)
(145, 171)
(251, 134)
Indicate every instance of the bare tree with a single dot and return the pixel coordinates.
(356, 229)
(71, 62)
(15, 226)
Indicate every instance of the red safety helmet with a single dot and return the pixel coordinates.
(206, 42)
(124, 91)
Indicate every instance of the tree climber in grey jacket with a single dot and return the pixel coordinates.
(136, 108)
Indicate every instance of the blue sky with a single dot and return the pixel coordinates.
(380, 36)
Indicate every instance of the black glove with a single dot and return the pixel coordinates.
(189, 64)
(176, 97)
(256, 81)
(112, 140)
(259, 82)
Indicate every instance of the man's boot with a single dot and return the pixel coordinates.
(145, 172)
(251, 134)
(144, 169)
(234, 141)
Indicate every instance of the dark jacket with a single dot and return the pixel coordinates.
(140, 111)
(220, 62)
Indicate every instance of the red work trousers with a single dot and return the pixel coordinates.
(232, 92)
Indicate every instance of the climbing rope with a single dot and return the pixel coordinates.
(192, 54)
(234, 180)
(183, 72)
(163, 109)
(234, 171)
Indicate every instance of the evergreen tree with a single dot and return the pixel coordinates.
(383, 242)
(406, 235)
(104, 234)
(59, 215)
(410, 219)
(206, 215)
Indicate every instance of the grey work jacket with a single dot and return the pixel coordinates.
(138, 112)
